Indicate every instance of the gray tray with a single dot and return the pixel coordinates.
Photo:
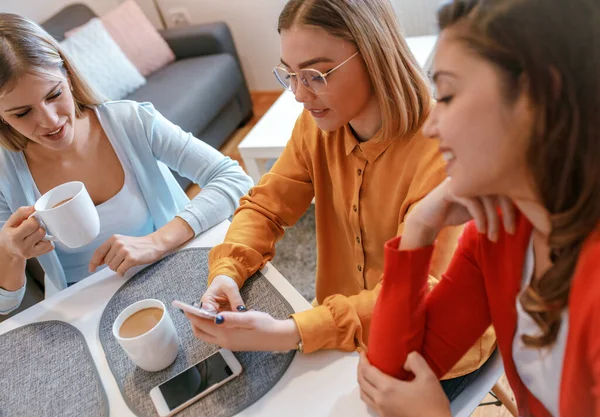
(47, 369)
(183, 276)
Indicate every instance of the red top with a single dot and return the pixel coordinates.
(480, 288)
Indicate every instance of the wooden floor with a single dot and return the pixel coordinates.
(261, 102)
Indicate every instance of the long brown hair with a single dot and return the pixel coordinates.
(401, 88)
(27, 48)
(551, 49)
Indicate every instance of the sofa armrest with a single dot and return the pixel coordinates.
(199, 40)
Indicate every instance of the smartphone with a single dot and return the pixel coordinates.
(194, 310)
(195, 382)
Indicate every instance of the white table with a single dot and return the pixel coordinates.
(319, 384)
(269, 137)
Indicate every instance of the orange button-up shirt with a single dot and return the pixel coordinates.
(362, 192)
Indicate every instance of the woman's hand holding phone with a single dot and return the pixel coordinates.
(223, 294)
(195, 310)
(244, 331)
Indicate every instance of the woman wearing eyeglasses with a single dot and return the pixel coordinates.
(358, 150)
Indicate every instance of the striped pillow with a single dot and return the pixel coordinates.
(95, 53)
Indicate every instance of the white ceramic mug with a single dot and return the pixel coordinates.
(74, 223)
(157, 348)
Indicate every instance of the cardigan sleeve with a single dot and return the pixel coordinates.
(9, 300)
(221, 179)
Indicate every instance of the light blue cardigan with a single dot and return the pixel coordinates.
(153, 144)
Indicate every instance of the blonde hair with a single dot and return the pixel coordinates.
(400, 85)
(26, 48)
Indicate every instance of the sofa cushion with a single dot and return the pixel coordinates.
(101, 62)
(145, 48)
(192, 92)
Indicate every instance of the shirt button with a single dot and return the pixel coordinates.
(250, 193)
(357, 239)
(355, 208)
(359, 268)
(359, 172)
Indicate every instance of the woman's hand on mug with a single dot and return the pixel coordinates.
(440, 208)
(122, 253)
(22, 237)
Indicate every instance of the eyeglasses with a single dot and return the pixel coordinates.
(313, 80)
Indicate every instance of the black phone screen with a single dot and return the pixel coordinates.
(195, 380)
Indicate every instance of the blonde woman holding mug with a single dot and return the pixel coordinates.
(54, 129)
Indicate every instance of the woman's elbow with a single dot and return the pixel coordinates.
(242, 180)
(231, 179)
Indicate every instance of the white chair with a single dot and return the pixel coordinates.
(468, 400)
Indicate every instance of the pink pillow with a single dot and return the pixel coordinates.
(137, 37)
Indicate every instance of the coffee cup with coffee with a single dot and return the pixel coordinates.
(146, 333)
(68, 214)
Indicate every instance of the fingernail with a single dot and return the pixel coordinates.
(195, 304)
(241, 308)
(220, 319)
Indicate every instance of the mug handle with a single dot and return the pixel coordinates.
(39, 218)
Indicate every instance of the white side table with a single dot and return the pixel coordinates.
(269, 137)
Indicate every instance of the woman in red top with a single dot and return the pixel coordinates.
(518, 116)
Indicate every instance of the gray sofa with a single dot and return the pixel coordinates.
(204, 91)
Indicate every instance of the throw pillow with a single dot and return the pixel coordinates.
(97, 56)
(138, 38)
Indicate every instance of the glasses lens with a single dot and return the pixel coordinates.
(313, 80)
(283, 77)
